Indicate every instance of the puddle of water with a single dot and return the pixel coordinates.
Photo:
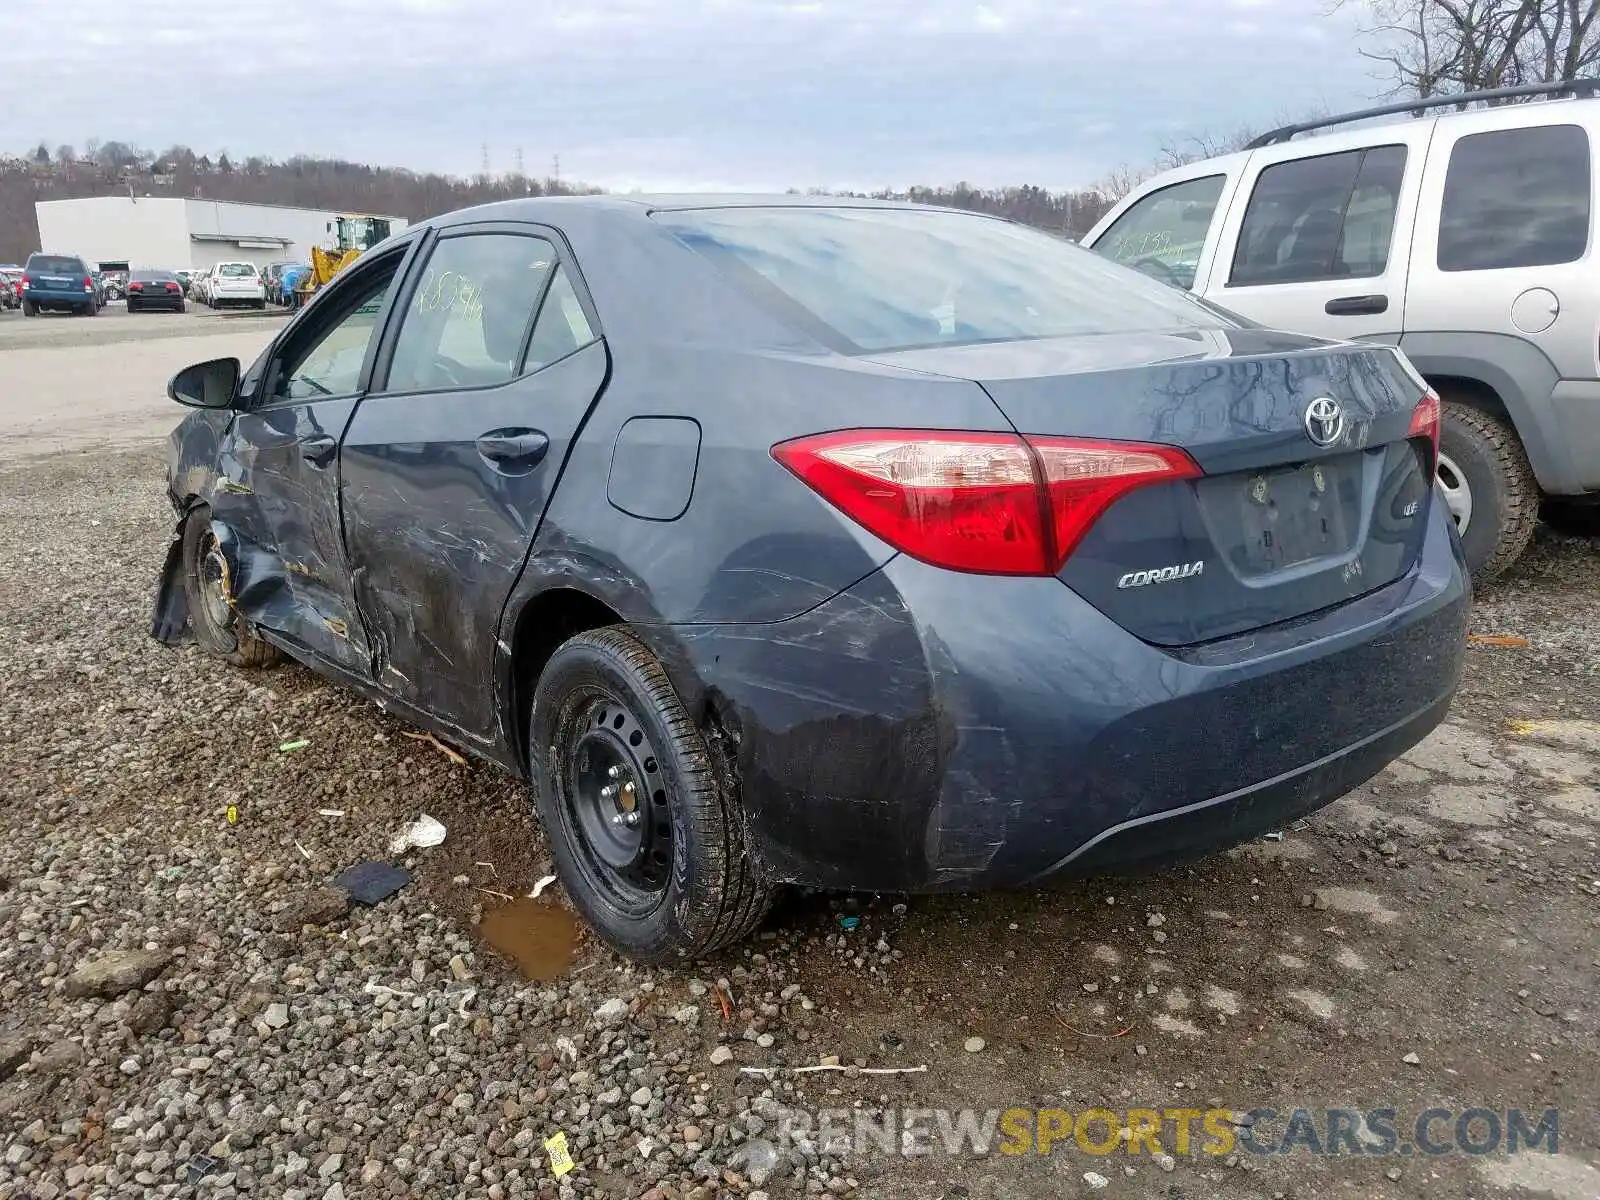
(539, 937)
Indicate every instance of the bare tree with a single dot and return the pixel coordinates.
(1439, 47)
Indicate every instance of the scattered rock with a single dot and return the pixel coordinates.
(276, 1016)
(152, 1012)
(721, 1055)
(974, 1045)
(14, 1049)
(612, 1011)
(117, 972)
(756, 1160)
(1412, 1059)
(318, 906)
(56, 1058)
(1095, 1180)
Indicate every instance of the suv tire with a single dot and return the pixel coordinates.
(1486, 479)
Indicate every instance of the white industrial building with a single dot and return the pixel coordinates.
(178, 234)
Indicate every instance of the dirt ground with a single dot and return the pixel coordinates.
(1432, 940)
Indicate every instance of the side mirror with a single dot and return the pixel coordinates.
(206, 385)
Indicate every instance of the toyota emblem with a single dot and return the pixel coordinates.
(1324, 421)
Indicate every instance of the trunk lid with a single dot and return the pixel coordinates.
(1292, 515)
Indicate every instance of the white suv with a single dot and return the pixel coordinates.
(1462, 236)
(235, 283)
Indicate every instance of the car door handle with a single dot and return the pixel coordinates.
(1356, 306)
(319, 449)
(514, 447)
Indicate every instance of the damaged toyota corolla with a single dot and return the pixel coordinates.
(847, 544)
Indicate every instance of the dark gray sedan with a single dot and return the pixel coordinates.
(856, 545)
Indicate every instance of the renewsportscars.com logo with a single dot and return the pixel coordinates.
(1332, 1131)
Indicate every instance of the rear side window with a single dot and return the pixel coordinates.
(468, 320)
(1323, 218)
(1516, 198)
(1163, 233)
(56, 264)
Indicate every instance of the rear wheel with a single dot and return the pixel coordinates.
(1489, 488)
(207, 585)
(642, 823)
(30, 309)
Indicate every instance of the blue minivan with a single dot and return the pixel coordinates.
(58, 281)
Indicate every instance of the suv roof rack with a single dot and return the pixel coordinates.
(1578, 87)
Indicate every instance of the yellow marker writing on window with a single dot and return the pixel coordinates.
(560, 1161)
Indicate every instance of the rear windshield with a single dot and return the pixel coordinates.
(235, 270)
(864, 279)
(154, 277)
(56, 264)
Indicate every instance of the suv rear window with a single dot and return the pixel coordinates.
(237, 271)
(881, 279)
(56, 264)
(1516, 198)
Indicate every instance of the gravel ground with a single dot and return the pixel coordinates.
(185, 1008)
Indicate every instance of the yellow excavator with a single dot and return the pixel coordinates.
(353, 235)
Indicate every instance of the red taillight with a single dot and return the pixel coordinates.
(990, 503)
(88, 284)
(136, 287)
(172, 287)
(1425, 420)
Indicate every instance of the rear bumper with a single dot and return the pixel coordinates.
(39, 295)
(928, 731)
(1575, 410)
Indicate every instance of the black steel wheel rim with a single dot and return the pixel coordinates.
(214, 588)
(617, 802)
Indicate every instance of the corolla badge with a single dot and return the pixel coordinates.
(1324, 421)
(1135, 579)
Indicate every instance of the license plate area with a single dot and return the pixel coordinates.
(1273, 520)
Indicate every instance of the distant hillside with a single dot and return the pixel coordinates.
(109, 168)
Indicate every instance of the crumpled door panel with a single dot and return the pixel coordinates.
(276, 500)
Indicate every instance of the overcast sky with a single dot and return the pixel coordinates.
(749, 94)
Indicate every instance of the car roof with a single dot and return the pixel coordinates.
(638, 204)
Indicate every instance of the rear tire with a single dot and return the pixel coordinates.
(677, 881)
(217, 625)
(1490, 488)
(30, 309)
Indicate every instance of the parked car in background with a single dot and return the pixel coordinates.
(114, 285)
(1018, 565)
(185, 276)
(238, 284)
(58, 283)
(197, 285)
(10, 287)
(272, 278)
(154, 289)
(1462, 236)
